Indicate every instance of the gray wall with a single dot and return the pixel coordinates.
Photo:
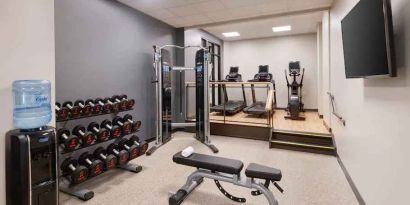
(104, 48)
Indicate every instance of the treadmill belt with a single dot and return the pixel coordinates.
(231, 107)
(257, 108)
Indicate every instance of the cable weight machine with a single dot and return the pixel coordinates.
(163, 73)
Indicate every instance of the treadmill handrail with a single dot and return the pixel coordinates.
(269, 101)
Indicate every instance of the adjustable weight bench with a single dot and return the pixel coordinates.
(226, 170)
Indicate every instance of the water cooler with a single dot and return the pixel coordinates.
(31, 149)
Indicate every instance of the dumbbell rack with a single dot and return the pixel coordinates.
(75, 189)
(93, 115)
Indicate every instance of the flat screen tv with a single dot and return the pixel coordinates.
(368, 40)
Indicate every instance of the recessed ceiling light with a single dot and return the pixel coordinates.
(282, 28)
(231, 34)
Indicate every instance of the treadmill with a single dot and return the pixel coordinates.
(231, 107)
(259, 107)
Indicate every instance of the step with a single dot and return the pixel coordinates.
(310, 134)
(306, 138)
(320, 149)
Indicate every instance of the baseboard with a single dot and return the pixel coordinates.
(306, 109)
(350, 181)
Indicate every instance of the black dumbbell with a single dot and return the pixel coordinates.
(136, 125)
(95, 166)
(102, 134)
(126, 126)
(130, 147)
(122, 103)
(75, 111)
(86, 109)
(115, 107)
(95, 108)
(106, 108)
(76, 173)
(61, 112)
(69, 142)
(142, 146)
(130, 102)
(121, 154)
(87, 138)
(110, 161)
(115, 130)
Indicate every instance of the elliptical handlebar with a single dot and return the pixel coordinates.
(303, 75)
(286, 76)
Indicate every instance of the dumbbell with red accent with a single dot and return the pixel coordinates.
(122, 103)
(75, 111)
(96, 108)
(102, 134)
(106, 108)
(130, 102)
(110, 161)
(69, 142)
(126, 126)
(143, 146)
(115, 107)
(136, 125)
(87, 138)
(86, 109)
(76, 173)
(61, 112)
(130, 147)
(115, 130)
(121, 154)
(95, 166)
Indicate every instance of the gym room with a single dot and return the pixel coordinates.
(204, 102)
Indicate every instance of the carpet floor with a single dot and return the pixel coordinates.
(310, 179)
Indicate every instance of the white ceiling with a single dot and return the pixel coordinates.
(191, 13)
(260, 28)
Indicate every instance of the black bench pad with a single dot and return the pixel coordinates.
(217, 164)
(263, 172)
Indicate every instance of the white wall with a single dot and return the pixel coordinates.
(276, 52)
(319, 68)
(374, 145)
(26, 52)
(326, 71)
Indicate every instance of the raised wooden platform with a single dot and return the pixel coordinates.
(241, 131)
(309, 135)
(303, 141)
(313, 123)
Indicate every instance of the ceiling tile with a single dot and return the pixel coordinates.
(209, 6)
(238, 3)
(162, 14)
(187, 10)
(199, 12)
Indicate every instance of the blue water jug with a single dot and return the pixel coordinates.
(32, 108)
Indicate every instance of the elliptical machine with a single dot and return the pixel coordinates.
(295, 104)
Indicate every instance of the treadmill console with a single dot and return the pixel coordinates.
(263, 75)
(234, 75)
(294, 68)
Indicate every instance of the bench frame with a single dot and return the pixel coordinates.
(196, 178)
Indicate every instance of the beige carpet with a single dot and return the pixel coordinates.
(307, 178)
